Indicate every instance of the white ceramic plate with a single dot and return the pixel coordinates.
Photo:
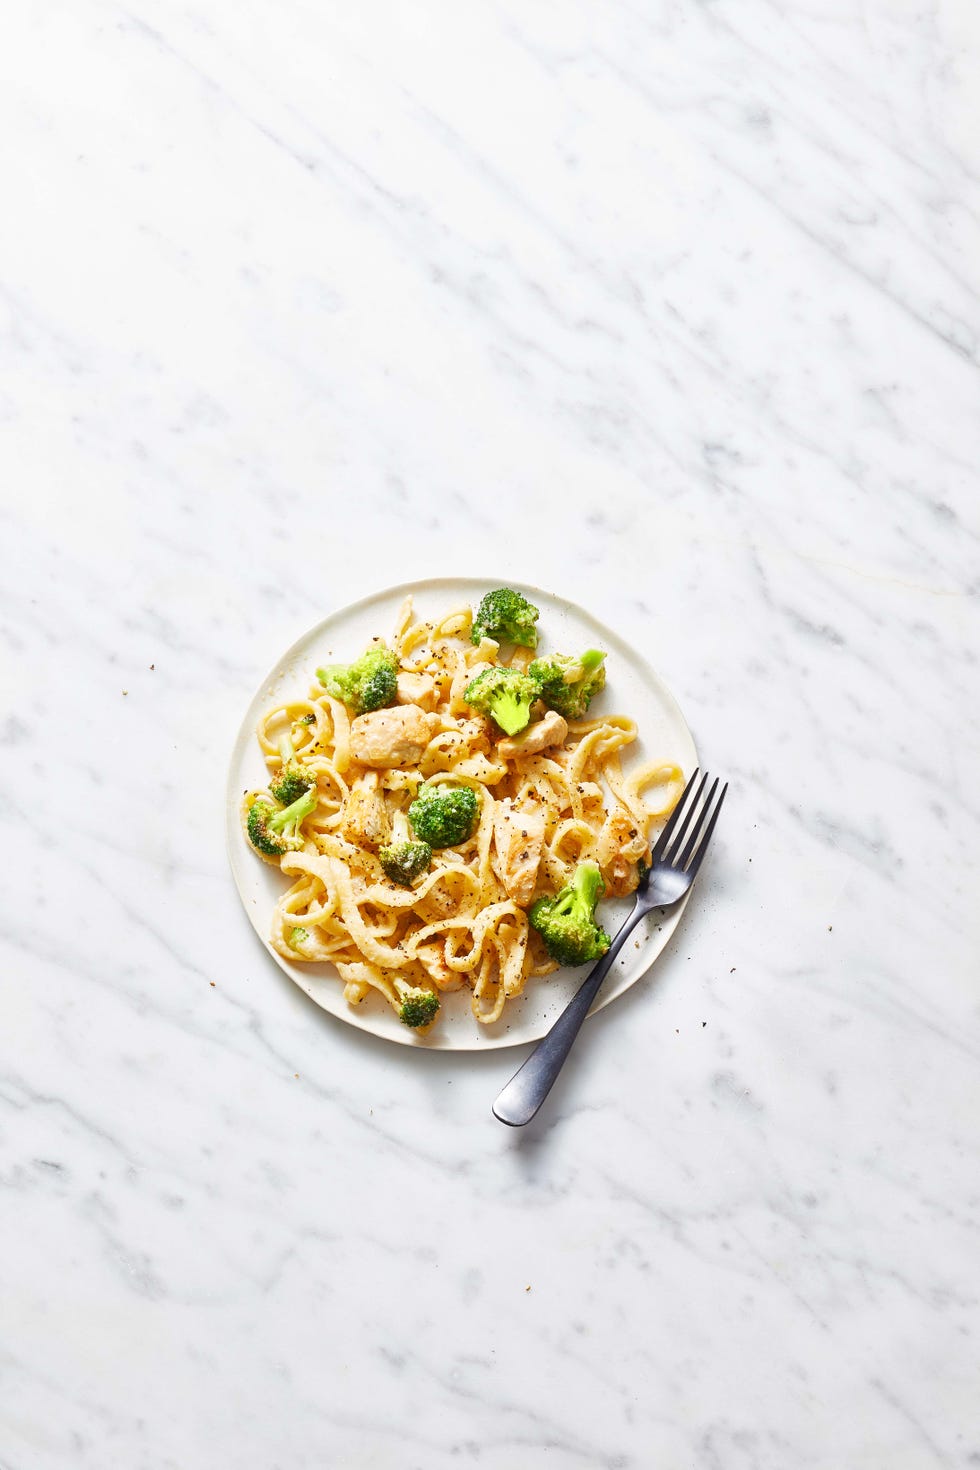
(632, 688)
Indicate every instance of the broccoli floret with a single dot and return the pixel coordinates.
(291, 782)
(444, 816)
(292, 779)
(506, 694)
(274, 830)
(566, 922)
(402, 859)
(367, 684)
(568, 684)
(418, 1006)
(507, 617)
(297, 938)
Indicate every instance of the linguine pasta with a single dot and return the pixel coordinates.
(550, 798)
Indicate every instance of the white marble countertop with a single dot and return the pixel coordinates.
(672, 308)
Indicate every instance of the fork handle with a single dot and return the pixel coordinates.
(530, 1085)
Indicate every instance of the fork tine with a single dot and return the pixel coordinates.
(676, 832)
(672, 821)
(682, 856)
(706, 832)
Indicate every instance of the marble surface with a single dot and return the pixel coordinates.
(672, 308)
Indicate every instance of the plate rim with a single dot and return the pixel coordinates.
(351, 1015)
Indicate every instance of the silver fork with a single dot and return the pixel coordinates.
(676, 857)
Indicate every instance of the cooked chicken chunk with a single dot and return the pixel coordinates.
(550, 730)
(518, 837)
(418, 689)
(620, 846)
(365, 818)
(430, 956)
(391, 737)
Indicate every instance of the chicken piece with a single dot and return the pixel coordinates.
(391, 737)
(619, 848)
(430, 957)
(418, 689)
(518, 837)
(550, 730)
(365, 817)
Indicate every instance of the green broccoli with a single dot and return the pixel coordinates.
(506, 694)
(444, 816)
(293, 778)
(297, 937)
(566, 922)
(418, 1006)
(507, 617)
(367, 684)
(568, 684)
(402, 859)
(274, 830)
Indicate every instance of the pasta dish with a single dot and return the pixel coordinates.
(449, 813)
